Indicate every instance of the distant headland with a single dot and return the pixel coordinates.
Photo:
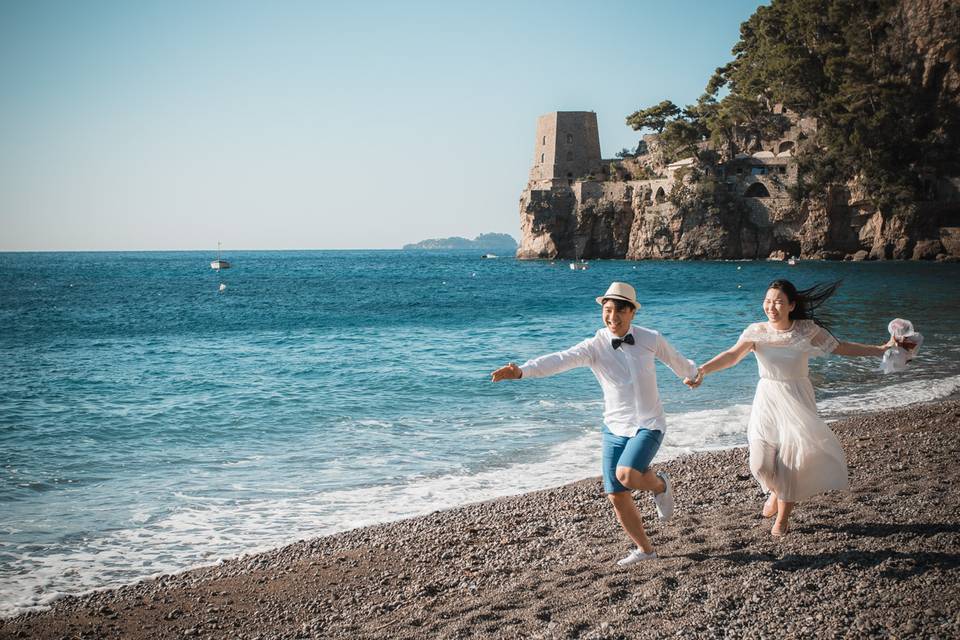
(490, 242)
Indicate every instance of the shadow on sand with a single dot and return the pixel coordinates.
(894, 562)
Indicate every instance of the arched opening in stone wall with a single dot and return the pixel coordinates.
(756, 190)
(786, 145)
(660, 196)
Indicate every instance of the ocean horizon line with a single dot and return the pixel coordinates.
(398, 249)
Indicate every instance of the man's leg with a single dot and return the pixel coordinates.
(641, 481)
(629, 518)
(633, 470)
(619, 495)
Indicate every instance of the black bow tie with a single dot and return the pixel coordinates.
(616, 342)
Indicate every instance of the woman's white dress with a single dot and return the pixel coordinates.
(792, 451)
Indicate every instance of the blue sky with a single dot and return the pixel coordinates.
(314, 125)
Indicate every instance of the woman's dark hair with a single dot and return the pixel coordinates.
(618, 304)
(807, 300)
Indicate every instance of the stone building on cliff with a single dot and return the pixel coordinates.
(579, 205)
(567, 148)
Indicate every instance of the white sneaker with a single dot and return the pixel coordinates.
(664, 501)
(635, 556)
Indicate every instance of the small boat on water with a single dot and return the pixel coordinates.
(489, 256)
(219, 263)
(579, 266)
(792, 261)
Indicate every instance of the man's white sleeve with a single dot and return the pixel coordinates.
(579, 355)
(669, 356)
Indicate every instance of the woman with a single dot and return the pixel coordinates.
(793, 454)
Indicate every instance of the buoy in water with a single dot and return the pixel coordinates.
(222, 286)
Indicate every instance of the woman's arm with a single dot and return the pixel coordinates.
(728, 358)
(722, 361)
(854, 349)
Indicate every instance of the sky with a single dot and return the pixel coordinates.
(174, 124)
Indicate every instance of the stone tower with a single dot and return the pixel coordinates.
(567, 148)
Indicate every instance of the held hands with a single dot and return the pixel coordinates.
(509, 372)
(696, 381)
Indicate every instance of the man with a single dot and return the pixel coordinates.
(621, 357)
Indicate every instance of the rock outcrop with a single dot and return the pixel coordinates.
(700, 218)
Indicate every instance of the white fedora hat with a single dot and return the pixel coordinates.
(620, 291)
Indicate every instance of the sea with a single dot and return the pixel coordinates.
(156, 415)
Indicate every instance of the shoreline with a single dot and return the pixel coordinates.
(879, 560)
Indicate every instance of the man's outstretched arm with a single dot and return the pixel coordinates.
(578, 355)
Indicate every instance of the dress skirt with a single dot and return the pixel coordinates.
(792, 451)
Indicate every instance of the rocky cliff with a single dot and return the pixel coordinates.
(703, 220)
(741, 201)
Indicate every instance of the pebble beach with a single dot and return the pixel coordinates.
(880, 561)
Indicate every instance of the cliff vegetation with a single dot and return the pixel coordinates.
(879, 76)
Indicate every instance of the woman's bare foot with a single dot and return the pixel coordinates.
(770, 506)
(779, 529)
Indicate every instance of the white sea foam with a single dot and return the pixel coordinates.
(891, 396)
(203, 530)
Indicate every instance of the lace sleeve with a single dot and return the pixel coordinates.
(753, 333)
(821, 341)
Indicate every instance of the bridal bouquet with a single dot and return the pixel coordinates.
(896, 358)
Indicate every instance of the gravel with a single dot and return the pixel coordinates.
(881, 561)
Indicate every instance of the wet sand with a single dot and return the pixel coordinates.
(881, 561)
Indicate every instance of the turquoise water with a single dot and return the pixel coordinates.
(149, 422)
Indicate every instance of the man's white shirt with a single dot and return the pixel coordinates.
(627, 375)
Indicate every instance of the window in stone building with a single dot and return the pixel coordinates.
(544, 142)
(569, 155)
(541, 157)
(739, 171)
(569, 138)
(758, 171)
(783, 169)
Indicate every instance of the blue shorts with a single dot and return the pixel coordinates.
(620, 451)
